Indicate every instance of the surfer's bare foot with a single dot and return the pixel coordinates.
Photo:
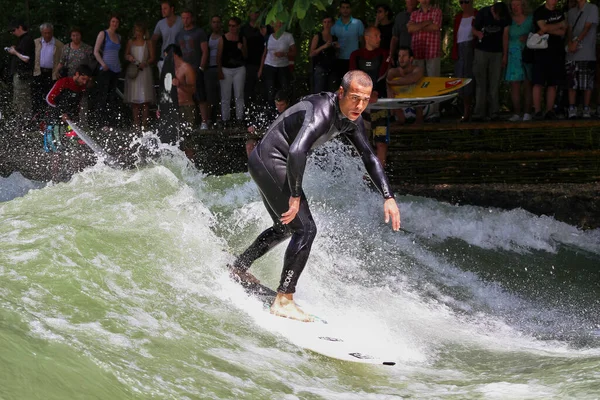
(284, 306)
(242, 276)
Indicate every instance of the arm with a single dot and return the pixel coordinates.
(552, 29)
(292, 51)
(505, 47)
(436, 23)
(151, 53)
(20, 56)
(417, 26)
(314, 50)
(220, 58)
(396, 78)
(262, 62)
(205, 52)
(97, 47)
(393, 49)
(128, 55)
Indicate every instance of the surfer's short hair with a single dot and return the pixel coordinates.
(355, 75)
(84, 70)
(407, 48)
(176, 49)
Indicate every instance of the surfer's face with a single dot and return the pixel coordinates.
(355, 100)
(281, 105)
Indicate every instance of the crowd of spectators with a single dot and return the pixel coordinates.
(249, 63)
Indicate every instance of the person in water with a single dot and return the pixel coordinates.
(277, 166)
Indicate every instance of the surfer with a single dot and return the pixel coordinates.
(277, 166)
(65, 96)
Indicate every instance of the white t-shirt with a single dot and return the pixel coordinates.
(285, 41)
(167, 33)
(465, 32)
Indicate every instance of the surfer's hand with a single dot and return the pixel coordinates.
(390, 209)
(290, 214)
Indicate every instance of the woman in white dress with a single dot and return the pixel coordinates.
(140, 90)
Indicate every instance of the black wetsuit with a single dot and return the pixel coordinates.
(277, 166)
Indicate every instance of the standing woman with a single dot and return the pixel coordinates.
(232, 70)
(463, 52)
(106, 51)
(139, 91)
(322, 50)
(517, 70)
(75, 53)
(274, 66)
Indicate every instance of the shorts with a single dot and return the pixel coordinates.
(380, 124)
(548, 71)
(581, 75)
(187, 113)
(200, 95)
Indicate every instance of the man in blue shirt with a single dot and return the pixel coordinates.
(349, 32)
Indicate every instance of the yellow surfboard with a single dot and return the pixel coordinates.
(430, 87)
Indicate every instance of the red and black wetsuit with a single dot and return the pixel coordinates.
(64, 98)
(277, 166)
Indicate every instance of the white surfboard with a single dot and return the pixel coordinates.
(99, 151)
(321, 336)
(395, 103)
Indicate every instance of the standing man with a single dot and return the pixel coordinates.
(424, 26)
(349, 32)
(548, 64)
(255, 43)
(185, 82)
(277, 166)
(167, 29)
(490, 26)
(373, 60)
(400, 35)
(581, 55)
(194, 46)
(48, 51)
(21, 68)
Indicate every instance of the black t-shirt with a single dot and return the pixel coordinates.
(26, 47)
(386, 35)
(556, 43)
(255, 43)
(492, 29)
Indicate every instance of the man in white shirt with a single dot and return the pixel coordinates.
(48, 51)
(167, 29)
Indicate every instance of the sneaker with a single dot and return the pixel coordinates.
(550, 115)
(586, 113)
(515, 118)
(527, 117)
(203, 126)
(572, 112)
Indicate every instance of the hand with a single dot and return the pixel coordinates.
(239, 46)
(259, 73)
(142, 65)
(104, 67)
(11, 50)
(390, 209)
(175, 82)
(279, 54)
(572, 47)
(290, 214)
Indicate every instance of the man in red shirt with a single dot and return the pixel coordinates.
(65, 95)
(373, 60)
(424, 26)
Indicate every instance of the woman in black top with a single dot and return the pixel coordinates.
(322, 49)
(231, 54)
